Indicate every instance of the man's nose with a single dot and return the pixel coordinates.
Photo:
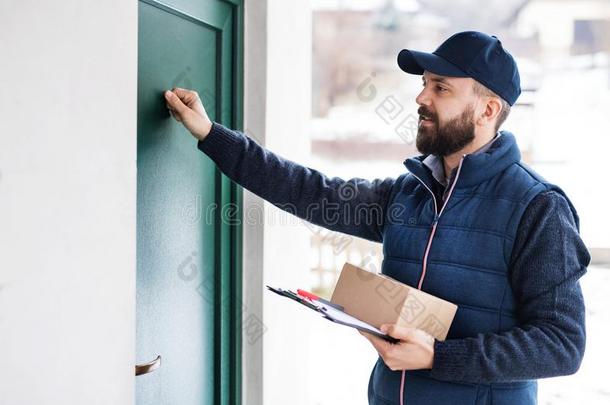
(423, 98)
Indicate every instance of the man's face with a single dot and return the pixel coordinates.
(446, 114)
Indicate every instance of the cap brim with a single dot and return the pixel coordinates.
(416, 63)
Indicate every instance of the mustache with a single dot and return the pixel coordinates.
(424, 111)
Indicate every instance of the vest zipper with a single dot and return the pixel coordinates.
(437, 216)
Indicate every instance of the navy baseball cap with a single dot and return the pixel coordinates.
(469, 54)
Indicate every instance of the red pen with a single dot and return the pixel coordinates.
(307, 294)
(312, 296)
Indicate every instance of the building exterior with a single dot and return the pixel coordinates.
(107, 259)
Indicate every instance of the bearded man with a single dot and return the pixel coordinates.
(468, 222)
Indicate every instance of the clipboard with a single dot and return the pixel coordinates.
(334, 314)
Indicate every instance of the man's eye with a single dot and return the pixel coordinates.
(441, 89)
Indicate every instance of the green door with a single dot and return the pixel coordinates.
(188, 250)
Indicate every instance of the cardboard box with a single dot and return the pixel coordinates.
(378, 299)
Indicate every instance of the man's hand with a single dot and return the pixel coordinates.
(185, 106)
(415, 350)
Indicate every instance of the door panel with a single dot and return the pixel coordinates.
(188, 267)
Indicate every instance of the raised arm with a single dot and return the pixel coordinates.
(355, 206)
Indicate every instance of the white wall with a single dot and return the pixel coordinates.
(68, 75)
(277, 104)
(255, 93)
(287, 245)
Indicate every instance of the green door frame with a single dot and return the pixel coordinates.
(228, 306)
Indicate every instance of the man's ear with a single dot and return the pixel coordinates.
(492, 109)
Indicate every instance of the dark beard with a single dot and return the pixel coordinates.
(447, 138)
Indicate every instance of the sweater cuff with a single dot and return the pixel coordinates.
(450, 358)
(219, 142)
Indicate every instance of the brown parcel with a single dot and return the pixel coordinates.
(378, 299)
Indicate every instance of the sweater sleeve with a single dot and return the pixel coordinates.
(547, 261)
(355, 206)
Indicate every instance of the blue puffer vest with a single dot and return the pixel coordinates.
(467, 263)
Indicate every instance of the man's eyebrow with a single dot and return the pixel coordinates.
(437, 79)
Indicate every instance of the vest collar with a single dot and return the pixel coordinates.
(476, 168)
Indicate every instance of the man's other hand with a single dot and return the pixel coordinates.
(414, 351)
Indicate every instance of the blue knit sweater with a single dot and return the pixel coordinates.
(547, 261)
